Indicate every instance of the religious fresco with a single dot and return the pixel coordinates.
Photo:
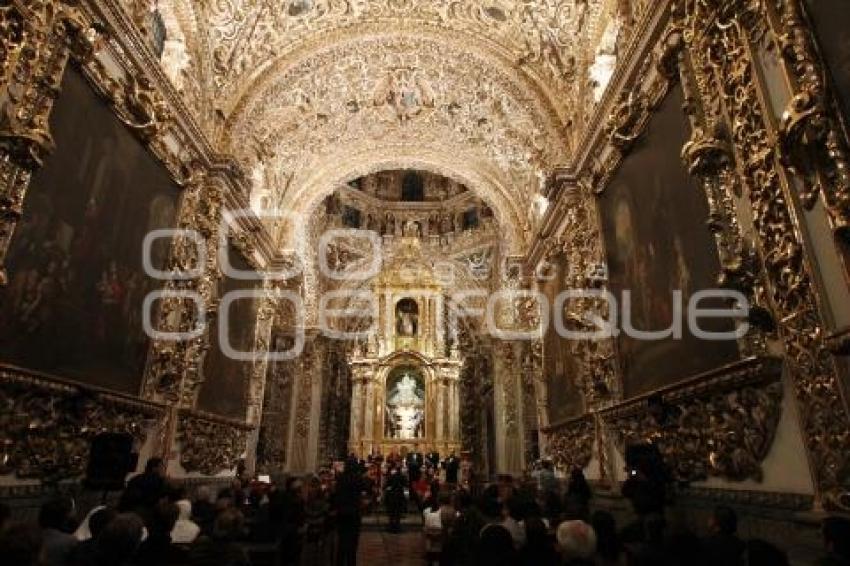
(559, 365)
(73, 305)
(405, 405)
(654, 226)
(225, 388)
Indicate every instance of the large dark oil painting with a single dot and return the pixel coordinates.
(73, 306)
(830, 18)
(654, 223)
(225, 388)
(559, 366)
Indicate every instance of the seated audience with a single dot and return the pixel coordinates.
(83, 531)
(496, 547)
(119, 541)
(56, 522)
(145, 490)
(549, 483)
(577, 499)
(316, 512)
(85, 553)
(609, 549)
(647, 548)
(512, 521)
(539, 549)
(684, 548)
(21, 545)
(438, 526)
(185, 530)
(758, 552)
(203, 510)
(157, 549)
(221, 548)
(466, 532)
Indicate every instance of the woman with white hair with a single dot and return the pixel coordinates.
(185, 530)
(577, 542)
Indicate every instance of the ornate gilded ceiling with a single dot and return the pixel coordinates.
(547, 39)
(487, 89)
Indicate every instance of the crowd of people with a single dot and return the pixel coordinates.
(318, 520)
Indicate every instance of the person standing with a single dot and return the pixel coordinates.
(347, 507)
(395, 499)
(438, 524)
(452, 466)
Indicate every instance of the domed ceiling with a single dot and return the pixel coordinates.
(319, 92)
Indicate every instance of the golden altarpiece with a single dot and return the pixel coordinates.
(405, 381)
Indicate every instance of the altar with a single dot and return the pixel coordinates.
(405, 381)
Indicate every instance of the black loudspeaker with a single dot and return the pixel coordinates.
(111, 458)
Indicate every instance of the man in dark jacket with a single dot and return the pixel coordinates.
(395, 499)
(347, 501)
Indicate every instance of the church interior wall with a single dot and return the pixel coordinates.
(610, 394)
(626, 130)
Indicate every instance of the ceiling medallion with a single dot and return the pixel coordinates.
(299, 7)
(496, 13)
(404, 91)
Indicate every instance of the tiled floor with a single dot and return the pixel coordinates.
(377, 546)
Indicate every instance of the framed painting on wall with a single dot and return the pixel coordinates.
(73, 305)
(224, 391)
(654, 223)
(564, 398)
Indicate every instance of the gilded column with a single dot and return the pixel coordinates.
(456, 410)
(259, 373)
(441, 407)
(708, 157)
(369, 416)
(814, 146)
(355, 432)
(507, 410)
(303, 445)
(174, 372)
